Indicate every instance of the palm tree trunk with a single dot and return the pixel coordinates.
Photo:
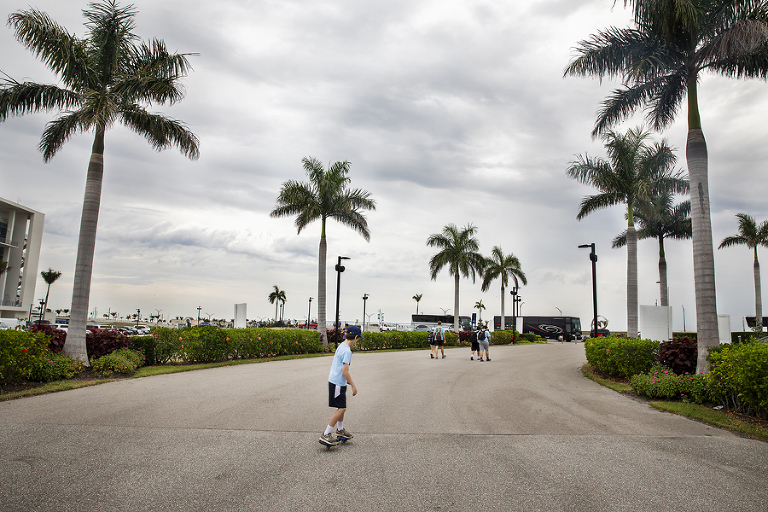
(456, 303)
(277, 303)
(663, 288)
(703, 252)
(503, 326)
(631, 282)
(758, 297)
(321, 288)
(75, 346)
(45, 306)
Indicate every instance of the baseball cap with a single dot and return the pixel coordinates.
(355, 330)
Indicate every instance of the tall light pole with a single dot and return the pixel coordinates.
(593, 258)
(365, 298)
(339, 269)
(198, 314)
(309, 312)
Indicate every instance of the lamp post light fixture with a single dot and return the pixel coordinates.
(42, 310)
(138, 316)
(339, 269)
(309, 312)
(365, 298)
(593, 258)
(198, 314)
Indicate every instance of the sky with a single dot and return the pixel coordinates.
(449, 112)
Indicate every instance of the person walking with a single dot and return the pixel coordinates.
(475, 347)
(439, 339)
(338, 380)
(483, 339)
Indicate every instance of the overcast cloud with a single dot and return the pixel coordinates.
(449, 111)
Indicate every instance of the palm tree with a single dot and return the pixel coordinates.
(106, 77)
(661, 220)
(502, 266)
(417, 298)
(479, 306)
(751, 235)
(635, 172)
(325, 197)
(458, 251)
(276, 297)
(659, 62)
(49, 276)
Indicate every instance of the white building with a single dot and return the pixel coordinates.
(21, 233)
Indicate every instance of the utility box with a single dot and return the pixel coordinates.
(655, 323)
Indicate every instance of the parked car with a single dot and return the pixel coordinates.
(142, 329)
(3, 327)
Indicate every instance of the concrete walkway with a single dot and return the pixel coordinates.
(524, 432)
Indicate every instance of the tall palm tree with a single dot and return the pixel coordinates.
(502, 266)
(634, 172)
(325, 197)
(659, 62)
(458, 251)
(49, 276)
(276, 297)
(661, 220)
(417, 298)
(751, 235)
(479, 306)
(106, 77)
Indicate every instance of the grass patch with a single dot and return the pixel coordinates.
(740, 424)
(617, 385)
(726, 420)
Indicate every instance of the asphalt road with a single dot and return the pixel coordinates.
(523, 432)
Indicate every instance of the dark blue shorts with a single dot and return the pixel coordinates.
(337, 396)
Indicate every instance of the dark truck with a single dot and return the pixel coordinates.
(550, 327)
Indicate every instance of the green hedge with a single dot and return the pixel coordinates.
(740, 377)
(621, 357)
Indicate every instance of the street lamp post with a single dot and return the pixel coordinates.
(513, 292)
(365, 298)
(309, 312)
(198, 314)
(42, 310)
(339, 269)
(593, 258)
(138, 316)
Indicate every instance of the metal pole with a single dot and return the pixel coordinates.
(309, 312)
(593, 258)
(339, 270)
(365, 298)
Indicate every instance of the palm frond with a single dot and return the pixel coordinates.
(162, 132)
(17, 99)
(58, 132)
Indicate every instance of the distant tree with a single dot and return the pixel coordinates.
(276, 297)
(417, 298)
(661, 220)
(479, 306)
(458, 252)
(106, 77)
(633, 173)
(751, 235)
(324, 197)
(49, 276)
(502, 266)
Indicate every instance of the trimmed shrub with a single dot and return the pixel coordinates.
(102, 343)
(146, 345)
(56, 337)
(55, 366)
(621, 357)
(205, 344)
(20, 353)
(680, 355)
(508, 337)
(739, 377)
(124, 361)
(659, 382)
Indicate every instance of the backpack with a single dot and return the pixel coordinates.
(438, 334)
(481, 336)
